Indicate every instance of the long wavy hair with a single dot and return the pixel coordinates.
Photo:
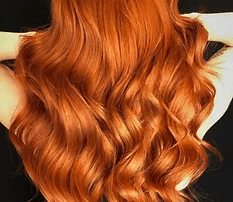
(115, 92)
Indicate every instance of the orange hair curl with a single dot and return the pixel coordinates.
(115, 93)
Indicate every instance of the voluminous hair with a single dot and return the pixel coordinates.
(115, 91)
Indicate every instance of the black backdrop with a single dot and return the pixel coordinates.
(215, 185)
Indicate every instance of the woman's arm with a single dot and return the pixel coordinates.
(9, 44)
(220, 29)
(12, 97)
(224, 88)
(218, 25)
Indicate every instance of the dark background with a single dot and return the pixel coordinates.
(216, 183)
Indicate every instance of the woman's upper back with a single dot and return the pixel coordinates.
(11, 92)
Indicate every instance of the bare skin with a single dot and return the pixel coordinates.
(9, 42)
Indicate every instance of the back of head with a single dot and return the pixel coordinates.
(116, 91)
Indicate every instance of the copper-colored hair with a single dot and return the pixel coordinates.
(115, 93)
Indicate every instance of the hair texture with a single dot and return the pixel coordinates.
(115, 91)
